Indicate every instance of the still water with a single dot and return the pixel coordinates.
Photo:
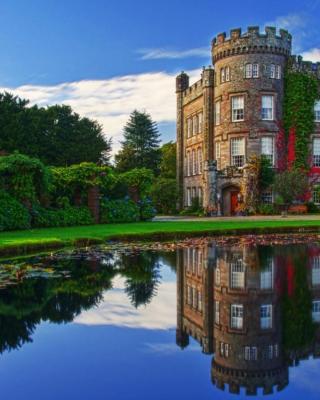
(209, 321)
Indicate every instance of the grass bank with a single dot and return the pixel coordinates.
(23, 242)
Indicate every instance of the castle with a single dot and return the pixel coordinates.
(232, 113)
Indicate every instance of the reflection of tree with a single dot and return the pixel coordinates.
(143, 277)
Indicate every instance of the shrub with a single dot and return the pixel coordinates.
(267, 209)
(195, 208)
(313, 208)
(165, 195)
(147, 210)
(119, 211)
(69, 216)
(13, 215)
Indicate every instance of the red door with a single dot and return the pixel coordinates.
(234, 202)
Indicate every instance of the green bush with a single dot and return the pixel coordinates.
(165, 195)
(69, 216)
(267, 209)
(195, 208)
(147, 210)
(124, 210)
(313, 208)
(13, 215)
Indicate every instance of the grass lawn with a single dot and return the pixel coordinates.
(20, 242)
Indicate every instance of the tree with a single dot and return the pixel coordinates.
(290, 186)
(56, 135)
(168, 163)
(140, 147)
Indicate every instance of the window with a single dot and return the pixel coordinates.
(316, 152)
(199, 301)
(315, 271)
(194, 192)
(237, 275)
(218, 112)
(316, 310)
(224, 349)
(237, 152)
(200, 195)
(267, 148)
(199, 160)
(189, 163)
(194, 298)
(248, 73)
(194, 162)
(266, 275)
(267, 108)
(267, 197)
(200, 261)
(200, 122)
(317, 111)
(227, 74)
(255, 71)
(272, 71)
(278, 72)
(316, 196)
(188, 197)
(217, 312)
(195, 125)
(237, 316)
(189, 127)
(266, 316)
(250, 353)
(217, 276)
(189, 295)
(222, 75)
(237, 108)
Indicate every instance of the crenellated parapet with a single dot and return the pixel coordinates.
(250, 380)
(252, 41)
(193, 92)
(297, 63)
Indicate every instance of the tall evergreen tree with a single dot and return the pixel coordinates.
(140, 147)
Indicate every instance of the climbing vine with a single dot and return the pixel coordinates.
(301, 92)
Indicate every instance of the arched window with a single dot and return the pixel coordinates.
(248, 73)
(222, 75)
(227, 74)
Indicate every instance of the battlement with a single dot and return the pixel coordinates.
(297, 63)
(252, 41)
(251, 381)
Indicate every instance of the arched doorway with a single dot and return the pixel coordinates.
(230, 195)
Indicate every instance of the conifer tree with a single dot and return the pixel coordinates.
(140, 147)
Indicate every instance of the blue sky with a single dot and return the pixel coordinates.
(106, 57)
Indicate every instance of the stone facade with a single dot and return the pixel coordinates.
(232, 113)
(248, 351)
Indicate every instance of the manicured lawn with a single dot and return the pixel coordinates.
(23, 241)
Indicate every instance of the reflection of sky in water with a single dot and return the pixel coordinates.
(100, 356)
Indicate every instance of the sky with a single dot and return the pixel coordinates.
(106, 58)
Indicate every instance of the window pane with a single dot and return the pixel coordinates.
(316, 310)
(255, 70)
(237, 108)
(267, 148)
(278, 72)
(249, 71)
(237, 275)
(237, 152)
(317, 111)
(236, 316)
(267, 107)
(266, 316)
(218, 112)
(316, 152)
(217, 312)
(272, 71)
(266, 275)
(316, 271)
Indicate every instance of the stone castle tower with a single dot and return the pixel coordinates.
(230, 114)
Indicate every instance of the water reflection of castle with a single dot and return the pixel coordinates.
(237, 303)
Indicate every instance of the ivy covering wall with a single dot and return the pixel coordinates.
(301, 92)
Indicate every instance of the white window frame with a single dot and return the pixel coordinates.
(267, 148)
(237, 275)
(266, 311)
(316, 310)
(248, 71)
(278, 71)
(316, 152)
(267, 112)
(238, 151)
(236, 312)
(317, 111)
(217, 312)
(255, 70)
(199, 151)
(227, 74)
(267, 275)
(217, 110)
(237, 110)
(272, 71)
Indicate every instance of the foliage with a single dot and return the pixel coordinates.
(56, 135)
(266, 174)
(70, 216)
(301, 92)
(138, 182)
(168, 163)
(313, 208)
(140, 147)
(119, 211)
(266, 209)
(13, 215)
(23, 177)
(281, 148)
(165, 195)
(290, 186)
(195, 208)
(147, 210)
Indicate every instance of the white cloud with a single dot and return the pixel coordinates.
(116, 310)
(110, 101)
(312, 55)
(157, 54)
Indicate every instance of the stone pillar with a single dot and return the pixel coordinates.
(208, 113)
(182, 83)
(94, 202)
(182, 338)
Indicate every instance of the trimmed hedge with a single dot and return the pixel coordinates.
(13, 215)
(70, 216)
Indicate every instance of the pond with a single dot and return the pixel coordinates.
(210, 319)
